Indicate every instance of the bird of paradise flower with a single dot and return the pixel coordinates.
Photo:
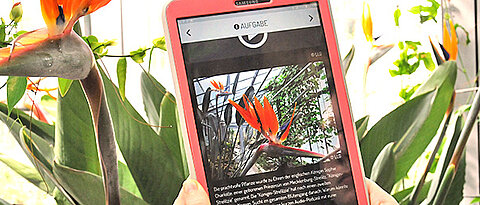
(218, 87)
(56, 51)
(264, 119)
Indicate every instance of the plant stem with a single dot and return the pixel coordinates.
(421, 182)
(457, 154)
(467, 129)
(93, 88)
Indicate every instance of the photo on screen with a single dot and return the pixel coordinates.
(266, 119)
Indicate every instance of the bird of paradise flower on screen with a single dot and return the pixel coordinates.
(264, 119)
(219, 87)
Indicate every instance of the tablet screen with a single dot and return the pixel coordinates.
(265, 107)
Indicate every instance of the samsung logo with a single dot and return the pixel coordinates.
(248, 2)
(251, 24)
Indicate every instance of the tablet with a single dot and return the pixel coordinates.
(262, 101)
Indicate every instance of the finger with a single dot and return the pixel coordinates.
(192, 193)
(378, 195)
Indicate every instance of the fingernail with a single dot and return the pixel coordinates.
(190, 186)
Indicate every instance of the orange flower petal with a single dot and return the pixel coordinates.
(446, 38)
(50, 14)
(214, 84)
(367, 22)
(453, 42)
(271, 120)
(246, 113)
(96, 4)
(285, 134)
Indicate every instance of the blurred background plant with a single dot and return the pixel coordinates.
(415, 151)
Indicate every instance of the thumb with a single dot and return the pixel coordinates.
(192, 193)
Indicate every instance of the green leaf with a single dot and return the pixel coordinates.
(347, 61)
(170, 130)
(19, 33)
(75, 144)
(455, 192)
(87, 188)
(361, 126)
(152, 93)
(31, 143)
(122, 75)
(445, 157)
(99, 49)
(427, 60)
(456, 26)
(444, 185)
(142, 147)
(77, 28)
(44, 130)
(407, 92)
(159, 43)
(139, 55)
(403, 196)
(16, 87)
(2, 34)
(29, 173)
(475, 200)
(431, 11)
(396, 16)
(404, 67)
(64, 85)
(126, 180)
(404, 120)
(410, 148)
(3, 202)
(383, 169)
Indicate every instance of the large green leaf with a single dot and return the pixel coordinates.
(126, 180)
(361, 126)
(43, 130)
(152, 93)
(37, 150)
(170, 130)
(75, 144)
(413, 124)
(64, 85)
(405, 120)
(155, 167)
(29, 173)
(383, 169)
(87, 187)
(410, 148)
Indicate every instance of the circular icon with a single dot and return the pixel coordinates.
(236, 26)
(253, 45)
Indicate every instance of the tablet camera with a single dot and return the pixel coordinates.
(253, 40)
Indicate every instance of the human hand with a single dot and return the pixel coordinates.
(192, 193)
(377, 195)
